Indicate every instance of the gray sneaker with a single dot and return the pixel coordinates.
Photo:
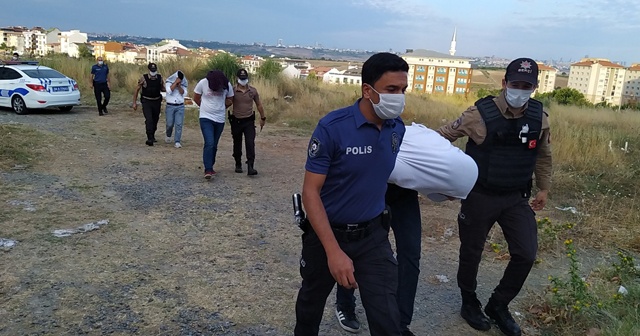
(348, 320)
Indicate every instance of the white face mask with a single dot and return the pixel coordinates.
(517, 98)
(153, 73)
(243, 82)
(100, 62)
(391, 105)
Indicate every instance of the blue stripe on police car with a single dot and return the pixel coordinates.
(9, 93)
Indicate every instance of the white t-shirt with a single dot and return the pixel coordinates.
(431, 165)
(212, 104)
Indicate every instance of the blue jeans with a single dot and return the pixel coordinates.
(406, 223)
(175, 117)
(211, 132)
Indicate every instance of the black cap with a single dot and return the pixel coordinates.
(152, 67)
(242, 74)
(522, 69)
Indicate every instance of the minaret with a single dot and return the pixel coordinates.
(452, 51)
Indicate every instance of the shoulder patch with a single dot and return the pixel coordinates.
(457, 123)
(314, 147)
(395, 142)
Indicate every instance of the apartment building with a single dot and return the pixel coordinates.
(437, 73)
(251, 62)
(546, 78)
(165, 50)
(13, 38)
(631, 89)
(598, 79)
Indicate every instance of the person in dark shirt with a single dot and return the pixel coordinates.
(100, 85)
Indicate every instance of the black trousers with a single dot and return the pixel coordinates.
(246, 127)
(100, 90)
(151, 110)
(516, 218)
(375, 271)
(406, 222)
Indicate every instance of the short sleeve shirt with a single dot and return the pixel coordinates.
(100, 73)
(357, 159)
(212, 106)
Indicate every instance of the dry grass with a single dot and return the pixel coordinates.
(587, 174)
(20, 145)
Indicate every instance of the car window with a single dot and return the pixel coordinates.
(10, 74)
(43, 73)
(1, 72)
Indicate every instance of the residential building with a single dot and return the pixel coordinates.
(251, 62)
(631, 89)
(35, 41)
(437, 73)
(318, 73)
(598, 79)
(70, 40)
(166, 49)
(546, 78)
(351, 76)
(98, 48)
(13, 38)
(298, 63)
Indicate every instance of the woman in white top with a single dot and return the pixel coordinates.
(213, 95)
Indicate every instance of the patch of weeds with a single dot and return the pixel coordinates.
(549, 232)
(604, 303)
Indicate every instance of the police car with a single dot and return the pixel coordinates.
(27, 85)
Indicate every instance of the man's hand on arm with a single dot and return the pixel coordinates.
(340, 265)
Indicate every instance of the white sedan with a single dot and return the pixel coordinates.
(27, 85)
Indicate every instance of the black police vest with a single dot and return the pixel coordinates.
(506, 159)
(153, 87)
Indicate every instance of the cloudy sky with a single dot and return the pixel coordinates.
(542, 29)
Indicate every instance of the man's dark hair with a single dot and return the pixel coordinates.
(380, 63)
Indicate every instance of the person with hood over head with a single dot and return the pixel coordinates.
(213, 95)
(176, 86)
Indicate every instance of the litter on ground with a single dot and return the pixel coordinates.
(82, 229)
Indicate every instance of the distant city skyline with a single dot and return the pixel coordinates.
(541, 29)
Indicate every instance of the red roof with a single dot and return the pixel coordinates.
(545, 67)
(603, 63)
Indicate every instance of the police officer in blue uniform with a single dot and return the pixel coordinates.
(509, 140)
(350, 157)
(100, 85)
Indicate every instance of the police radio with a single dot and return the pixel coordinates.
(298, 212)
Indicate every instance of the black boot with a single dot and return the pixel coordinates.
(250, 170)
(471, 311)
(238, 166)
(499, 313)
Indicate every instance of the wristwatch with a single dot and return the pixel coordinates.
(263, 118)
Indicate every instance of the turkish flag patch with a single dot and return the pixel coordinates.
(533, 144)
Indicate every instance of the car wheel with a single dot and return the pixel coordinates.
(65, 108)
(18, 105)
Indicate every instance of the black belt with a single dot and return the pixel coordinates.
(357, 231)
(175, 104)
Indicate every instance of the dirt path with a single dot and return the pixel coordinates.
(180, 255)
